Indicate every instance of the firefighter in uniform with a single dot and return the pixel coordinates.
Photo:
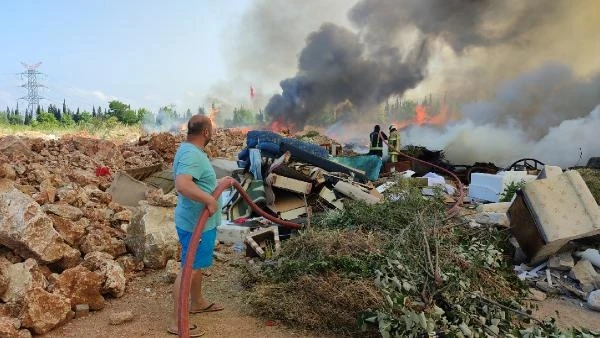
(376, 145)
(393, 144)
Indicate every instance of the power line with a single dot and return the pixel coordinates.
(31, 76)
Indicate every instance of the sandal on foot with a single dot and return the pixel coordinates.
(194, 331)
(213, 307)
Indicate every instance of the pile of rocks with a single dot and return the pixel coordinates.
(64, 243)
(225, 143)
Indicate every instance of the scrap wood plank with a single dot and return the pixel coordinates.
(290, 184)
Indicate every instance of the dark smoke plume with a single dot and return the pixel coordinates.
(365, 68)
(334, 67)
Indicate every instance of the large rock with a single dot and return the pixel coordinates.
(114, 281)
(22, 277)
(64, 210)
(14, 146)
(584, 272)
(70, 231)
(44, 311)
(151, 236)
(10, 327)
(130, 264)
(26, 229)
(563, 261)
(7, 171)
(103, 239)
(81, 286)
(4, 280)
(593, 300)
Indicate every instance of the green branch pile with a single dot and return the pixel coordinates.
(397, 269)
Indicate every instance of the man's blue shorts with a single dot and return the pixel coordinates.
(204, 254)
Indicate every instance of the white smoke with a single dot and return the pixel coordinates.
(570, 143)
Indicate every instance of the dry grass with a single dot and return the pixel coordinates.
(328, 303)
(592, 179)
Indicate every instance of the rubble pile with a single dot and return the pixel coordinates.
(65, 243)
(225, 143)
(62, 237)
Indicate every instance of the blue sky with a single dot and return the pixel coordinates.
(146, 53)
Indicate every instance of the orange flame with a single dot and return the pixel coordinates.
(422, 117)
(280, 126)
(212, 114)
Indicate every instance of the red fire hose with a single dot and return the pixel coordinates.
(455, 207)
(183, 320)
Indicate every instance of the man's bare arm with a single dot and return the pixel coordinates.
(185, 185)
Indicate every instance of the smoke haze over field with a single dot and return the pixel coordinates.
(525, 75)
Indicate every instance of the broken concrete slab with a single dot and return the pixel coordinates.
(501, 207)
(584, 272)
(126, 190)
(549, 213)
(162, 180)
(152, 237)
(355, 192)
(492, 218)
(563, 261)
(223, 167)
(232, 233)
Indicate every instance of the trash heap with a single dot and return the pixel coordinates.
(423, 274)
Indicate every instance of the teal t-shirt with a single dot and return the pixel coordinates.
(191, 160)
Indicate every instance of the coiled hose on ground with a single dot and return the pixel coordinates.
(183, 317)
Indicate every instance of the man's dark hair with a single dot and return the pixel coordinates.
(377, 128)
(195, 127)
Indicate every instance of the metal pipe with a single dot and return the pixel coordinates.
(183, 320)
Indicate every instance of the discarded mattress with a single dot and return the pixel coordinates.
(549, 213)
(269, 142)
(322, 163)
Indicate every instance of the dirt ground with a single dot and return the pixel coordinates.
(149, 298)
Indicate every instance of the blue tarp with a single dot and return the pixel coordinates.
(370, 164)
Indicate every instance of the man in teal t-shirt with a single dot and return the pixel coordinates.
(195, 180)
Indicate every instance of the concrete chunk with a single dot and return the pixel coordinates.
(563, 261)
(593, 300)
(231, 233)
(152, 237)
(584, 272)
